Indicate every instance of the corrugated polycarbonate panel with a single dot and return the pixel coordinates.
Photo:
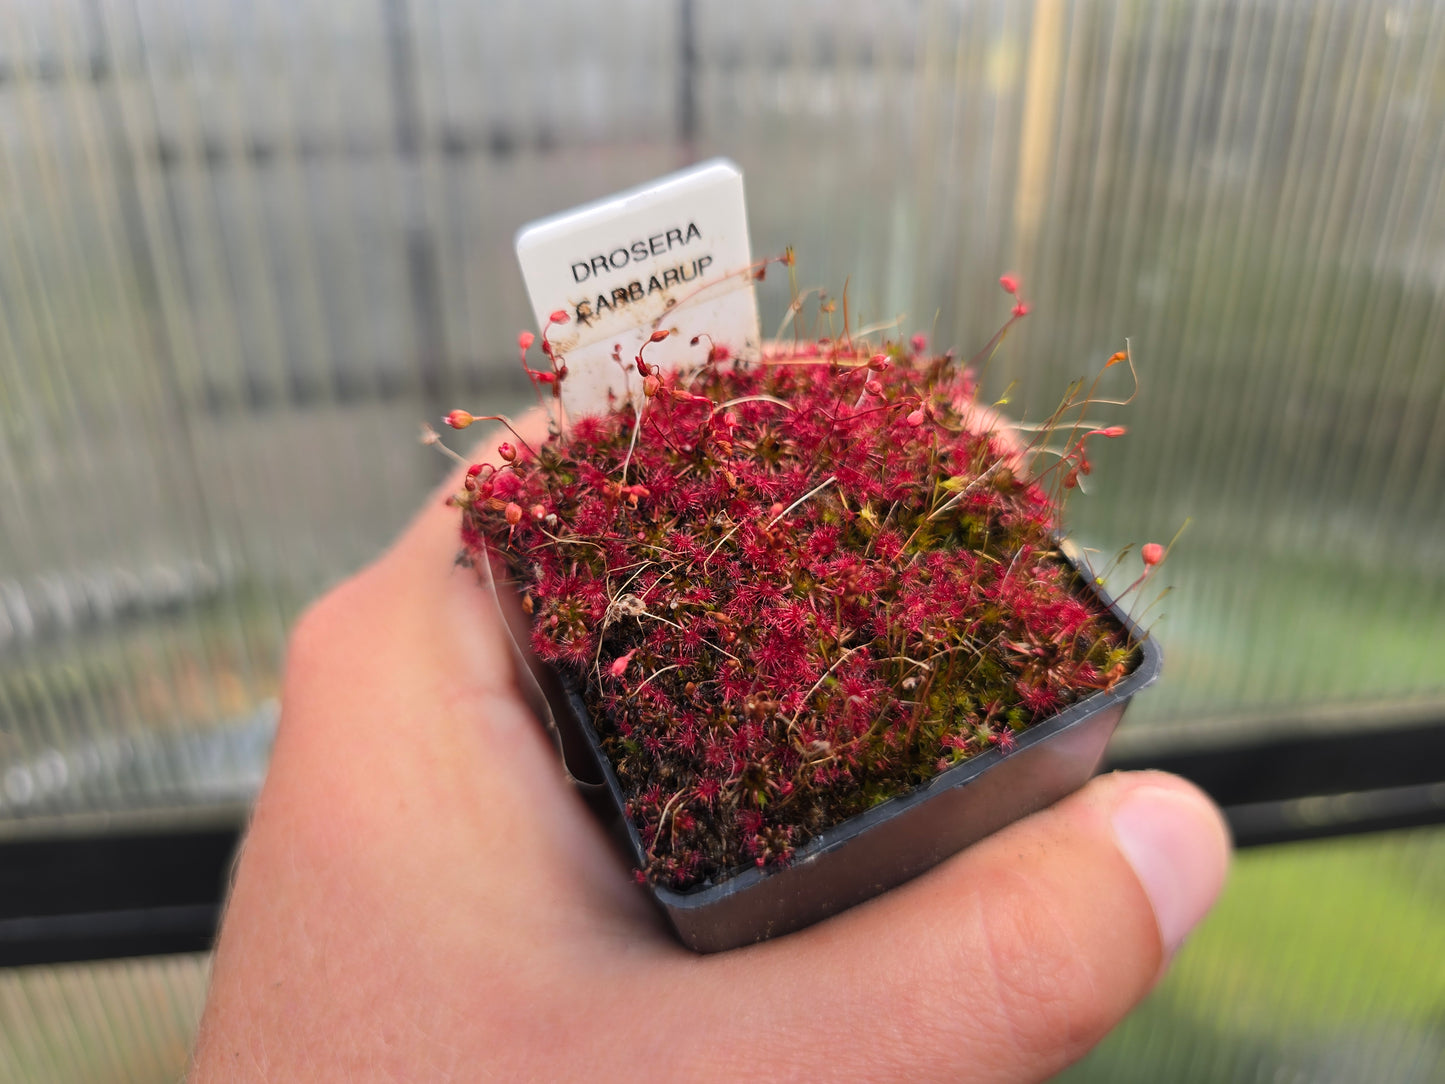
(1285, 981)
(245, 247)
(127, 1020)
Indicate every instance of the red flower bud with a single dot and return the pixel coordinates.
(650, 385)
(1152, 553)
(878, 363)
(1112, 431)
(458, 419)
(507, 452)
(1021, 309)
(545, 378)
(513, 512)
(658, 335)
(1009, 283)
(474, 470)
(919, 343)
(874, 388)
(558, 317)
(525, 340)
(619, 664)
(916, 418)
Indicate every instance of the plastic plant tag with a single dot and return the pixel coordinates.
(670, 254)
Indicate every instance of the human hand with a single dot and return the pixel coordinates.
(422, 896)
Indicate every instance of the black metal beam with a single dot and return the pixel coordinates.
(91, 897)
(86, 897)
(1303, 765)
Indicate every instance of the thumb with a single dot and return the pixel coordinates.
(1008, 961)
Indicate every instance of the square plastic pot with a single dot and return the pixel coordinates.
(884, 846)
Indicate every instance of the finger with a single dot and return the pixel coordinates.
(402, 721)
(1006, 962)
(408, 781)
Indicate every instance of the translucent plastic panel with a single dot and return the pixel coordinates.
(245, 248)
(1320, 964)
(130, 1020)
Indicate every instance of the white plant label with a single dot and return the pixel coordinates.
(672, 254)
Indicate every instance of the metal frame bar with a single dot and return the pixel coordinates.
(69, 897)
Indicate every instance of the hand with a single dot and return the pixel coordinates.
(421, 896)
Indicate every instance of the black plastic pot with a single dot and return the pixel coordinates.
(884, 846)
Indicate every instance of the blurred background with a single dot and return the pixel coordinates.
(246, 246)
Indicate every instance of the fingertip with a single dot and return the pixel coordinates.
(1176, 841)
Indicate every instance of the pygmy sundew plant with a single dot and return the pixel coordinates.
(793, 588)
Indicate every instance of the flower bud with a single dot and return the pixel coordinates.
(525, 340)
(919, 343)
(650, 385)
(458, 419)
(874, 388)
(513, 512)
(1021, 309)
(879, 363)
(558, 317)
(1009, 283)
(1152, 553)
(658, 335)
(915, 419)
(507, 452)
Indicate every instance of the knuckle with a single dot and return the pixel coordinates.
(320, 660)
(313, 634)
(320, 639)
